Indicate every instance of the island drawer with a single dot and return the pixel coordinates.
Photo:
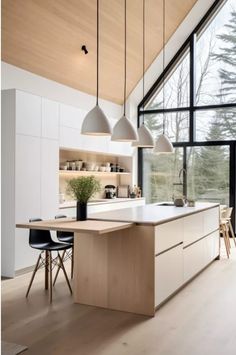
(200, 254)
(168, 273)
(193, 228)
(168, 235)
(211, 220)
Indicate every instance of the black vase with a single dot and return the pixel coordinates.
(81, 211)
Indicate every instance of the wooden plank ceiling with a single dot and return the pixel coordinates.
(45, 37)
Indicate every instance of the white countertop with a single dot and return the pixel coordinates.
(151, 214)
(72, 204)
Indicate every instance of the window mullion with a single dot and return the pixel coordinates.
(192, 81)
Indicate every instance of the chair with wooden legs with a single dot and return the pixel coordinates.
(41, 240)
(68, 238)
(225, 234)
(227, 218)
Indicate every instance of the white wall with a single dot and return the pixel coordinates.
(16, 78)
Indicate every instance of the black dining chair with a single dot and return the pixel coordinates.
(42, 240)
(65, 237)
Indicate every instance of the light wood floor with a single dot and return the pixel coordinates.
(200, 320)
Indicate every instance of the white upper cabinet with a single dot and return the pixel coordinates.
(71, 116)
(28, 114)
(49, 177)
(50, 119)
(27, 177)
(71, 119)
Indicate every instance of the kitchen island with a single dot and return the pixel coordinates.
(141, 267)
(134, 259)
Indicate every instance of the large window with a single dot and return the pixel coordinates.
(199, 115)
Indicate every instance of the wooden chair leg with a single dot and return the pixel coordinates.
(33, 275)
(232, 232)
(50, 275)
(63, 268)
(225, 240)
(227, 237)
(58, 268)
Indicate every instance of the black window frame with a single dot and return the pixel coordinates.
(190, 44)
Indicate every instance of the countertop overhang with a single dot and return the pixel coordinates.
(151, 214)
(71, 225)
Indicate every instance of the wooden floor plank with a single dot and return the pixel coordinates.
(199, 320)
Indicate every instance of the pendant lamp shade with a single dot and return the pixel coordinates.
(96, 123)
(124, 131)
(163, 145)
(145, 138)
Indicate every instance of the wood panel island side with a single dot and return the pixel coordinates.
(141, 267)
(134, 259)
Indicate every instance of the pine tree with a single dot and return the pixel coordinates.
(212, 165)
(227, 57)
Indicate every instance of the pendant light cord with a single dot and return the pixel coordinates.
(97, 52)
(163, 63)
(125, 35)
(143, 53)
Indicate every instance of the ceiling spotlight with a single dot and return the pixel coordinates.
(84, 49)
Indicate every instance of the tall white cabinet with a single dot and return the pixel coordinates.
(30, 159)
(33, 130)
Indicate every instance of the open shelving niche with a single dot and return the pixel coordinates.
(106, 178)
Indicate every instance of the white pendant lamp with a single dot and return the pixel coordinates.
(123, 130)
(95, 122)
(145, 138)
(163, 144)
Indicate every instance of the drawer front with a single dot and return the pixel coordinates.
(193, 259)
(168, 235)
(211, 220)
(168, 273)
(193, 228)
(200, 254)
(211, 247)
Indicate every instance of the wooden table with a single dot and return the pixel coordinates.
(91, 239)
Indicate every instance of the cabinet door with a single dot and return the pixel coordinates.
(193, 228)
(211, 247)
(71, 116)
(168, 235)
(28, 114)
(211, 220)
(50, 119)
(168, 273)
(49, 178)
(193, 259)
(27, 195)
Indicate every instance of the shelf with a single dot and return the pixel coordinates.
(89, 173)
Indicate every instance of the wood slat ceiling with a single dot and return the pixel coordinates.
(45, 37)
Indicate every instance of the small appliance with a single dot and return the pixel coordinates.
(110, 191)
